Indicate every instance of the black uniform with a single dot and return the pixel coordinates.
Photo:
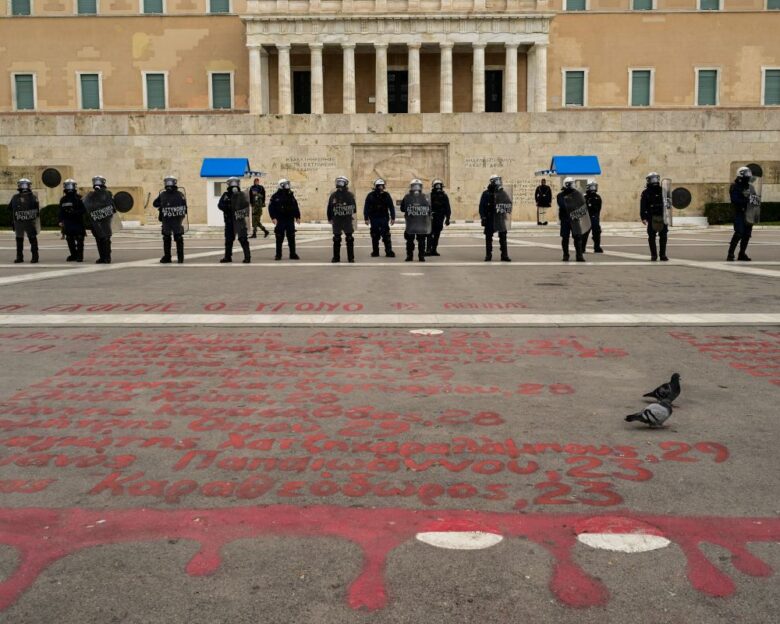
(543, 197)
(440, 216)
(283, 208)
(379, 211)
(651, 210)
(487, 215)
(71, 216)
(593, 202)
(233, 206)
(566, 230)
(101, 210)
(417, 209)
(341, 213)
(25, 220)
(739, 193)
(257, 200)
(172, 209)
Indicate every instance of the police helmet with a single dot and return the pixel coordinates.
(342, 182)
(568, 182)
(24, 185)
(592, 185)
(234, 182)
(744, 172)
(416, 185)
(653, 178)
(98, 182)
(379, 182)
(284, 183)
(170, 182)
(69, 185)
(495, 180)
(437, 185)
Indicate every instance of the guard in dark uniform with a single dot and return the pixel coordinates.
(379, 213)
(651, 211)
(341, 213)
(565, 221)
(99, 203)
(440, 216)
(593, 202)
(739, 193)
(543, 198)
(285, 214)
(257, 200)
(25, 220)
(488, 209)
(71, 220)
(234, 205)
(172, 210)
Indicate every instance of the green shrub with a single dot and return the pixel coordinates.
(48, 217)
(720, 213)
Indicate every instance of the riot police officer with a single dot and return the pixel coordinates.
(740, 193)
(25, 219)
(495, 207)
(651, 210)
(379, 213)
(440, 216)
(593, 202)
(71, 220)
(285, 213)
(417, 209)
(341, 213)
(172, 208)
(565, 221)
(257, 200)
(99, 203)
(234, 205)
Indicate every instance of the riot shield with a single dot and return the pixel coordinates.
(666, 187)
(502, 219)
(173, 213)
(344, 215)
(578, 212)
(242, 214)
(100, 208)
(27, 215)
(418, 214)
(753, 211)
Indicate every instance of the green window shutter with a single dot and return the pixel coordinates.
(25, 92)
(87, 7)
(20, 7)
(640, 87)
(575, 88)
(772, 87)
(155, 91)
(576, 5)
(708, 87)
(220, 91)
(153, 6)
(709, 5)
(90, 91)
(642, 5)
(219, 6)
(773, 4)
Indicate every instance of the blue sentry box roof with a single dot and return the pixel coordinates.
(575, 165)
(224, 167)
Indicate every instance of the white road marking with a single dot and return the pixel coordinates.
(426, 332)
(460, 540)
(623, 542)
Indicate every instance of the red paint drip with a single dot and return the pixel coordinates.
(43, 536)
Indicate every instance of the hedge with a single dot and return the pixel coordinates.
(48, 217)
(718, 213)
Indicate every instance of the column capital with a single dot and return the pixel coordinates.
(346, 45)
(283, 46)
(512, 44)
(479, 45)
(381, 44)
(414, 45)
(446, 44)
(541, 44)
(316, 45)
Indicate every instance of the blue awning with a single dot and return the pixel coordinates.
(224, 167)
(573, 165)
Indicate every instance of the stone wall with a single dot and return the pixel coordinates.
(695, 148)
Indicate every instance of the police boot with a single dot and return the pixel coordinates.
(254, 231)
(166, 259)
(743, 248)
(374, 245)
(108, 251)
(228, 257)
(336, 250)
(34, 250)
(663, 249)
(19, 251)
(350, 249)
(565, 247)
(597, 242)
(653, 248)
(265, 232)
(179, 249)
(279, 241)
(72, 249)
(732, 247)
(488, 248)
(409, 247)
(579, 245)
(79, 249)
(100, 243)
(421, 250)
(245, 247)
(291, 243)
(388, 242)
(504, 247)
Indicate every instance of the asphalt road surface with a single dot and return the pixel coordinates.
(390, 441)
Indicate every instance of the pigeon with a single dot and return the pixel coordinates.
(668, 391)
(655, 414)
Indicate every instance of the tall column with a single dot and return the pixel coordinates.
(254, 80)
(317, 99)
(540, 74)
(265, 84)
(510, 78)
(478, 79)
(414, 77)
(349, 78)
(380, 94)
(445, 90)
(285, 90)
(530, 79)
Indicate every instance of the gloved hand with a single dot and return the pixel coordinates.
(446, 221)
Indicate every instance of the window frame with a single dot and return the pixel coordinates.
(79, 94)
(654, 7)
(10, 12)
(764, 69)
(766, 7)
(232, 90)
(164, 73)
(698, 7)
(585, 81)
(76, 9)
(567, 10)
(631, 70)
(229, 11)
(142, 12)
(14, 103)
(696, 71)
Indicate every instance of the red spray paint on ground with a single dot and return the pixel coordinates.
(43, 536)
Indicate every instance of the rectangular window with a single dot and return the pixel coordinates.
(773, 5)
(576, 5)
(642, 5)
(155, 91)
(707, 92)
(574, 88)
(398, 91)
(153, 6)
(709, 5)
(641, 83)
(301, 92)
(90, 91)
(87, 7)
(24, 87)
(221, 91)
(494, 90)
(219, 6)
(772, 87)
(21, 7)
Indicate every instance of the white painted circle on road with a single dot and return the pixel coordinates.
(413, 274)
(623, 542)
(426, 332)
(460, 540)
